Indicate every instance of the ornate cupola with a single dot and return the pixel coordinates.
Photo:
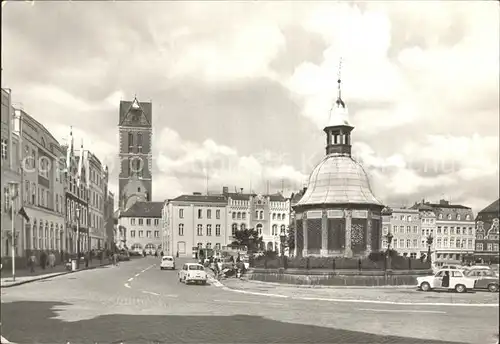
(338, 130)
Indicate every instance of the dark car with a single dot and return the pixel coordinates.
(486, 279)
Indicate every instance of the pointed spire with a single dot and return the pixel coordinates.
(80, 166)
(339, 101)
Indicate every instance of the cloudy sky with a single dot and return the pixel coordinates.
(241, 91)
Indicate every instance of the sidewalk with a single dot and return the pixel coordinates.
(25, 276)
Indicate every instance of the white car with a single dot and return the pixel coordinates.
(193, 273)
(457, 281)
(167, 262)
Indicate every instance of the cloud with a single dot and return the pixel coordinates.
(242, 91)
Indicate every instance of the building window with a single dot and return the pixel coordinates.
(132, 234)
(242, 227)
(217, 230)
(234, 228)
(257, 214)
(157, 234)
(238, 216)
(243, 216)
(440, 216)
(274, 230)
(181, 229)
(234, 215)
(467, 217)
(148, 234)
(139, 143)
(283, 229)
(217, 246)
(199, 229)
(140, 222)
(141, 234)
(415, 229)
(274, 216)
(209, 245)
(409, 218)
(408, 229)
(157, 222)
(6, 198)
(132, 222)
(148, 222)
(209, 214)
(181, 213)
(209, 230)
(130, 142)
(408, 243)
(490, 247)
(261, 215)
(259, 229)
(458, 217)
(4, 149)
(217, 214)
(449, 216)
(200, 213)
(479, 246)
(495, 247)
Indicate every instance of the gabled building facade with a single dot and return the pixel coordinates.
(487, 234)
(405, 227)
(135, 128)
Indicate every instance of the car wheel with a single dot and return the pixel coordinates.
(425, 286)
(460, 288)
(493, 287)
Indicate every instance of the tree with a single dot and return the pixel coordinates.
(290, 242)
(248, 237)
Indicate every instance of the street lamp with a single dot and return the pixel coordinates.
(13, 192)
(430, 239)
(389, 237)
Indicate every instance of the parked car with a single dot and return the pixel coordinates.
(457, 281)
(486, 279)
(193, 273)
(167, 262)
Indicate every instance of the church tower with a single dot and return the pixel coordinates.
(135, 132)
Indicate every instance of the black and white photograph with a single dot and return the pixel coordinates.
(250, 172)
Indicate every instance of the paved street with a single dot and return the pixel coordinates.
(136, 302)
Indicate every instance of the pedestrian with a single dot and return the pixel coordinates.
(52, 260)
(43, 260)
(162, 253)
(32, 262)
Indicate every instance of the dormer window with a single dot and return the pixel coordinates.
(458, 217)
(440, 216)
(467, 217)
(449, 216)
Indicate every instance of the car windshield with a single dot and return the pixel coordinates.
(168, 258)
(195, 267)
(478, 272)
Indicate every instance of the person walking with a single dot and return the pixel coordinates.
(43, 260)
(32, 262)
(52, 260)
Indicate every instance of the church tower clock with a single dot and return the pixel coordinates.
(135, 128)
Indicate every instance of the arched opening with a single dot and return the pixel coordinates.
(269, 246)
(259, 229)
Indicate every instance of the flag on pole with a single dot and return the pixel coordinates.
(87, 169)
(80, 166)
(23, 213)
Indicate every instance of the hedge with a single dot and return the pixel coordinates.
(340, 263)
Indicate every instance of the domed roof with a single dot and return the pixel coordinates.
(338, 179)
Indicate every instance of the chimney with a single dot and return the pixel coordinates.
(197, 193)
(225, 190)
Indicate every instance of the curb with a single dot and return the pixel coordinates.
(15, 284)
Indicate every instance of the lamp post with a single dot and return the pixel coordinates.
(430, 239)
(282, 246)
(13, 191)
(78, 237)
(389, 237)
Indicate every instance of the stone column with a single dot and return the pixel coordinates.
(348, 222)
(324, 233)
(304, 230)
(368, 233)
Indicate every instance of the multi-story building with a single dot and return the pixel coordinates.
(43, 186)
(76, 200)
(405, 227)
(428, 228)
(141, 227)
(294, 199)
(135, 128)
(454, 239)
(109, 218)
(268, 214)
(98, 178)
(195, 221)
(10, 173)
(487, 234)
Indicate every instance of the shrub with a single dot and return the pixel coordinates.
(377, 256)
(346, 263)
(321, 262)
